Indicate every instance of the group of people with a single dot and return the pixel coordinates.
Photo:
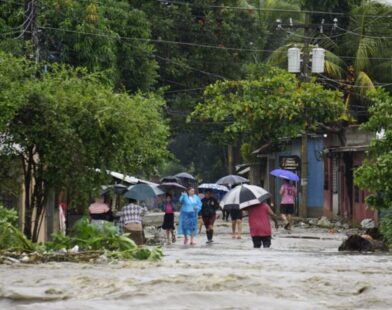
(195, 210)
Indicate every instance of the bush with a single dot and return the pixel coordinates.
(386, 228)
(88, 237)
(8, 216)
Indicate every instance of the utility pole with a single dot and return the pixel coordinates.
(305, 76)
(304, 139)
(30, 28)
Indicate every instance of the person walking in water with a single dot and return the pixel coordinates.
(236, 223)
(190, 207)
(288, 192)
(208, 212)
(131, 217)
(168, 219)
(260, 225)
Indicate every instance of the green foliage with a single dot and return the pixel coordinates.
(88, 237)
(12, 239)
(375, 174)
(67, 122)
(252, 108)
(386, 228)
(8, 216)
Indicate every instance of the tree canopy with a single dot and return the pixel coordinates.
(253, 108)
(66, 123)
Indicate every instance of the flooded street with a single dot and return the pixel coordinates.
(300, 271)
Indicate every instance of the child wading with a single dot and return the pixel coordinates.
(168, 219)
(208, 213)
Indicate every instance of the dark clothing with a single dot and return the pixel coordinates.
(225, 215)
(236, 214)
(209, 207)
(101, 216)
(287, 208)
(168, 221)
(258, 240)
(209, 221)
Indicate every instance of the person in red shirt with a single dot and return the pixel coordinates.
(259, 224)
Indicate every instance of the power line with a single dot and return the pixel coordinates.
(364, 35)
(159, 41)
(353, 85)
(252, 8)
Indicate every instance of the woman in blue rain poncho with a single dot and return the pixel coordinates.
(190, 207)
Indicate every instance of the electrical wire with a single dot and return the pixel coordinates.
(364, 35)
(252, 8)
(158, 40)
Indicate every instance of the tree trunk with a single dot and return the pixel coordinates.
(27, 166)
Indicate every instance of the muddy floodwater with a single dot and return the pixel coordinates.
(302, 270)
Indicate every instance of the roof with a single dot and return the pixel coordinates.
(340, 149)
(126, 178)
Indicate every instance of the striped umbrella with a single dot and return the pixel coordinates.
(243, 196)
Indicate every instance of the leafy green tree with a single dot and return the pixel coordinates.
(65, 123)
(110, 36)
(202, 42)
(101, 35)
(375, 174)
(268, 105)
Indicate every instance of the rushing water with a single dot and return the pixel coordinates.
(296, 273)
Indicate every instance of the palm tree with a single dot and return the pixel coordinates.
(358, 57)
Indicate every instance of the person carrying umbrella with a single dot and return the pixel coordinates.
(208, 213)
(288, 192)
(190, 207)
(252, 199)
(259, 224)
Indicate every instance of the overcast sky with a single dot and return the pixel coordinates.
(385, 1)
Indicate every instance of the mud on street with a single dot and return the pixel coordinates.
(302, 270)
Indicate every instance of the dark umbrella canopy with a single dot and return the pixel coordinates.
(285, 174)
(170, 178)
(143, 191)
(185, 175)
(231, 180)
(118, 189)
(167, 186)
(243, 196)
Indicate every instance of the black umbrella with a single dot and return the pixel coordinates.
(168, 186)
(170, 179)
(118, 189)
(185, 175)
(231, 180)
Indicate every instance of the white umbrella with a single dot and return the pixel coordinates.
(243, 196)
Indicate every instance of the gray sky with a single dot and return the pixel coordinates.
(385, 1)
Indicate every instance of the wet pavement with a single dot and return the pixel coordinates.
(302, 270)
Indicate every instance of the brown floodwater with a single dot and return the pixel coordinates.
(302, 270)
